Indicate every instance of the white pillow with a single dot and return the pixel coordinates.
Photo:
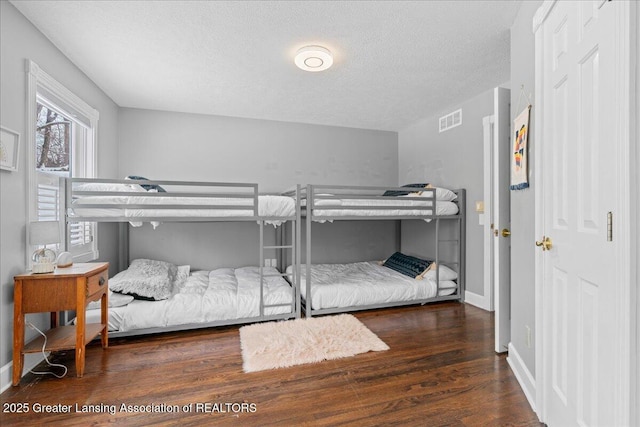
(115, 300)
(444, 195)
(146, 279)
(181, 277)
(446, 291)
(107, 186)
(445, 273)
(448, 284)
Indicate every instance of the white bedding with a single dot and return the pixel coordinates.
(268, 206)
(365, 283)
(422, 207)
(205, 297)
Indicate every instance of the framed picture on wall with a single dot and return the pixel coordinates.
(519, 156)
(9, 149)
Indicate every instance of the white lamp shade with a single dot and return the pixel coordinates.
(44, 232)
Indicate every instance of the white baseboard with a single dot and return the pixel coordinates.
(524, 377)
(476, 300)
(31, 360)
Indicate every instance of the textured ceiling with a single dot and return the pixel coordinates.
(395, 62)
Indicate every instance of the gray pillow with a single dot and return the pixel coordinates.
(146, 279)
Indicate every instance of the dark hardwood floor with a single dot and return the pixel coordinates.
(441, 370)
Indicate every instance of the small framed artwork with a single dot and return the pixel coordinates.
(519, 158)
(9, 149)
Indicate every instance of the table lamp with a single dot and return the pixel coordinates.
(43, 233)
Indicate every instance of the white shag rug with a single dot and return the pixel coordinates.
(307, 340)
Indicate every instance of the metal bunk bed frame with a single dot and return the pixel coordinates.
(247, 212)
(311, 194)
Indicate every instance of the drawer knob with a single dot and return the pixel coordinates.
(101, 281)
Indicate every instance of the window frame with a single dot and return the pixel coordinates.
(39, 82)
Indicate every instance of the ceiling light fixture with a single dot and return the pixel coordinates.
(313, 58)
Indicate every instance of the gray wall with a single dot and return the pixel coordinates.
(523, 201)
(276, 155)
(214, 245)
(19, 41)
(451, 159)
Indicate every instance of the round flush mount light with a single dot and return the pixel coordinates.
(313, 58)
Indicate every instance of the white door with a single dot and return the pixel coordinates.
(576, 179)
(497, 248)
(501, 219)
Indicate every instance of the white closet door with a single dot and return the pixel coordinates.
(575, 66)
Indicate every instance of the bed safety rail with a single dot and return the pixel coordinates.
(328, 202)
(116, 200)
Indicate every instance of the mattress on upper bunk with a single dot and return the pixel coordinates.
(333, 207)
(417, 200)
(204, 297)
(269, 206)
(369, 283)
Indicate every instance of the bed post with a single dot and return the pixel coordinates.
(297, 257)
(462, 197)
(281, 236)
(437, 256)
(261, 227)
(123, 246)
(309, 212)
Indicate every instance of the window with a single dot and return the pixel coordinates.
(61, 145)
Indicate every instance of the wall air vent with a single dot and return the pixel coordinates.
(451, 120)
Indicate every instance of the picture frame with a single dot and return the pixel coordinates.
(9, 149)
(520, 153)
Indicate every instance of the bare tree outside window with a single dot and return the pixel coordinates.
(53, 140)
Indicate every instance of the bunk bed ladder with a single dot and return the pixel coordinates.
(282, 246)
(460, 241)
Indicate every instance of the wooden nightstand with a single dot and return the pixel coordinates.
(68, 288)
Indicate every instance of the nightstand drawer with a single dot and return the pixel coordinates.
(97, 282)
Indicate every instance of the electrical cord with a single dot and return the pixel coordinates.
(44, 354)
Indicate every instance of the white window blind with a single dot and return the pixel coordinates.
(81, 234)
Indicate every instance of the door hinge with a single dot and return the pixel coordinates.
(609, 226)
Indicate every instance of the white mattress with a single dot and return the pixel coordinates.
(205, 297)
(268, 206)
(422, 207)
(365, 283)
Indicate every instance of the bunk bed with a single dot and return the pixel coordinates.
(157, 296)
(399, 280)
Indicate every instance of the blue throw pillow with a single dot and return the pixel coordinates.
(408, 265)
(147, 187)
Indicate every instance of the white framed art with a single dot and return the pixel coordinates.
(9, 149)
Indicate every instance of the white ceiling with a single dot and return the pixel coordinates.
(395, 62)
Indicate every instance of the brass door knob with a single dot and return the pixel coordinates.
(546, 243)
(506, 232)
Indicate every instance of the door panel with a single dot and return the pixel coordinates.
(587, 384)
(559, 356)
(587, 162)
(577, 194)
